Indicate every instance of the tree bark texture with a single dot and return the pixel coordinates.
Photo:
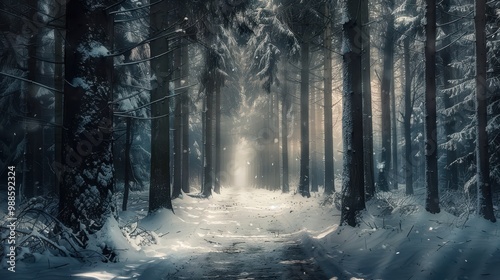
(408, 166)
(33, 184)
(431, 172)
(87, 172)
(185, 120)
(385, 176)
(218, 148)
(159, 192)
(327, 90)
(177, 76)
(210, 81)
(58, 97)
(284, 131)
(304, 120)
(367, 101)
(451, 169)
(128, 169)
(394, 142)
(485, 202)
(353, 188)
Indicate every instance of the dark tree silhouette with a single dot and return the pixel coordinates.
(385, 175)
(353, 189)
(284, 130)
(159, 189)
(485, 202)
(367, 101)
(451, 169)
(329, 164)
(185, 101)
(33, 172)
(407, 119)
(431, 172)
(211, 81)
(86, 189)
(177, 116)
(128, 169)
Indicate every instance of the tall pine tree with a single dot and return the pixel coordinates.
(87, 172)
(353, 188)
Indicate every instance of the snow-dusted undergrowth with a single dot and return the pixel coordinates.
(398, 239)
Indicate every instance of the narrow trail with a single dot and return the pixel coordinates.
(239, 234)
(256, 260)
(245, 236)
(258, 234)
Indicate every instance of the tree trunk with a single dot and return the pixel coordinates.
(320, 171)
(407, 120)
(159, 189)
(34, 131)
(203, 140)
(276, 143)
(327, 90)
(385, 175)
(218, 148)
(353, 189)
(177, 183)
(185, 120)
(484, 201)
(284, 131)
(210, 91)
(58, 97)
(367, 101)
(177, 76)
(304, 121)
(451, 169)
(394, 142)
(313, 145)
(431, 172)
(267, 141)
(128, 144)
(86, 192)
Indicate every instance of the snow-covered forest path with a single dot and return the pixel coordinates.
(240, 234)
(259, 234)
(239, 258)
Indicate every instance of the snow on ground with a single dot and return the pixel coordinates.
(406, 242)
(259, 234)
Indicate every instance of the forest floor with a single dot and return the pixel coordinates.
(247, 233)
(241, 234)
